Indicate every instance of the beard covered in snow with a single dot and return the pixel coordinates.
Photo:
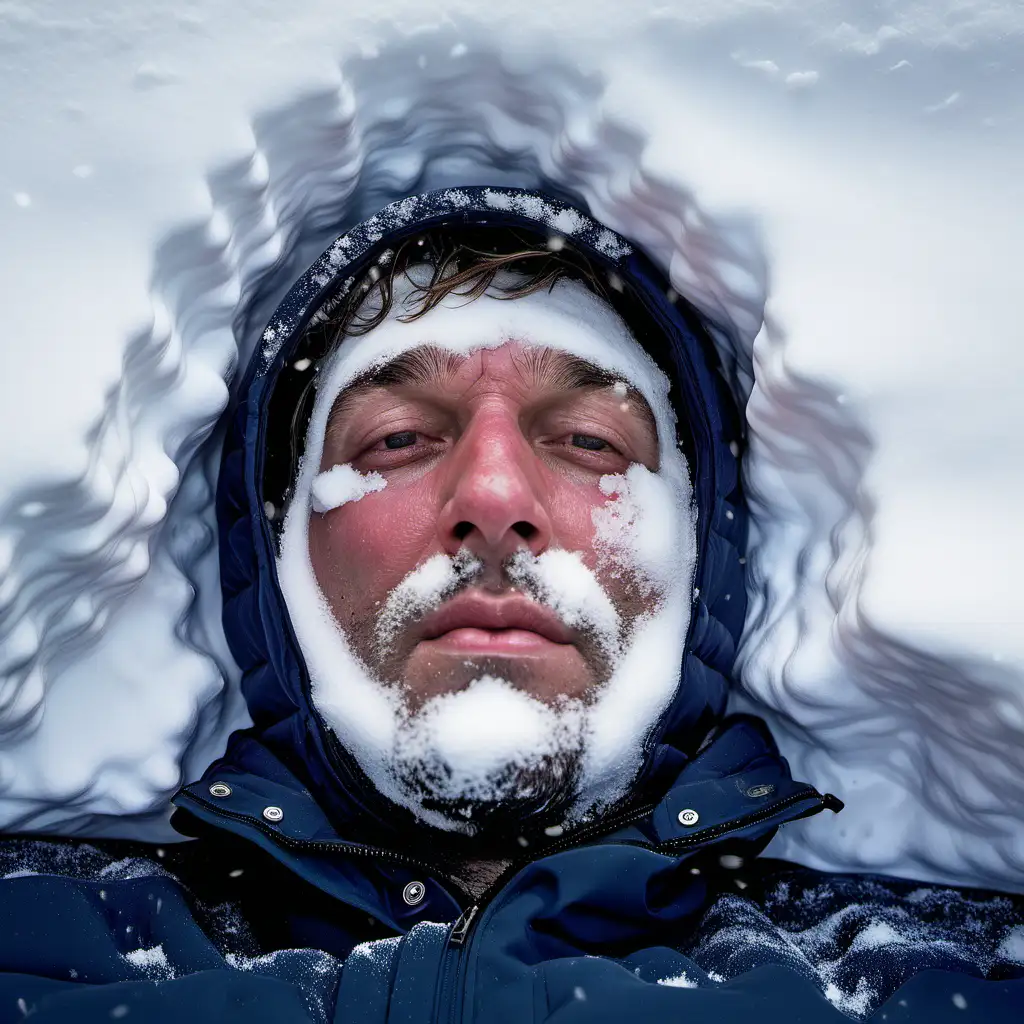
(489, 750)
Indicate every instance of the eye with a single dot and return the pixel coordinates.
(403, 439)
(589, 443)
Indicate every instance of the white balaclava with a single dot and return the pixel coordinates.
(477, 742)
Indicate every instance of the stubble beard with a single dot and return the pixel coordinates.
(537, 784)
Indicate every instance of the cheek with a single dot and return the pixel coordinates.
(570, 505)
(369, 546)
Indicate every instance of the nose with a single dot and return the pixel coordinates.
(495, 503)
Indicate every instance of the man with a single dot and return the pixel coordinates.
(481, 544)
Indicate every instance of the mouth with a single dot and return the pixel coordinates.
(478, 623)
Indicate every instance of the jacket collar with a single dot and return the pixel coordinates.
(738, 788)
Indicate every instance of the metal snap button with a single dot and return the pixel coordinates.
(413, 893)
(221, 789)
(688, 817)
(273, 813)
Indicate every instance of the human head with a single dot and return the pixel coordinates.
(489, 446)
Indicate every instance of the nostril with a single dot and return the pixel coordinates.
(462, 530)
(525, 530)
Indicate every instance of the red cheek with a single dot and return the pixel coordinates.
(371, 544)
(570, 506)
(365, 548)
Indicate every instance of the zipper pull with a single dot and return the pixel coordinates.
(461, 927)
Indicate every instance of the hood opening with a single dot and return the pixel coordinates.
(261, 457)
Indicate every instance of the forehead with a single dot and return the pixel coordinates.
(529, 365)
(525, 368)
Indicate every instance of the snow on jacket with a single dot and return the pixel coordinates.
(318, 910)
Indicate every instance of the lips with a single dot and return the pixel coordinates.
(506, 620)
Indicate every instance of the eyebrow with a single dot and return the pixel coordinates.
(430, 366)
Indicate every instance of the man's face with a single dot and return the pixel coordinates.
(495, 452)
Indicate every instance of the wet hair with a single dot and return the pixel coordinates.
(458, 267)
(464, 261)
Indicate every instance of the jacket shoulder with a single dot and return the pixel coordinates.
(90, 931)
(136, 887)
(860, 938)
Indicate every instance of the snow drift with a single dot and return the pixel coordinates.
(844, 290)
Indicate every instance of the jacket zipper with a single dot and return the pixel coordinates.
(461, 928)
(450, 990)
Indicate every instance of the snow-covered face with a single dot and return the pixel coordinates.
(488, 557)
(487, 456)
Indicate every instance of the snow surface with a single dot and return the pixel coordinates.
(838, 185)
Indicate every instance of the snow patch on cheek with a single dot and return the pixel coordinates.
(339, 485)
(641, 687)
(639, 528)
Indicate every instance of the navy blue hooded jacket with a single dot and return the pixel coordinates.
(303, 896)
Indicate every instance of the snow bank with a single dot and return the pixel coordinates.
(838, 191)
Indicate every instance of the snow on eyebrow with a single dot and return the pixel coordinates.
(429, 364)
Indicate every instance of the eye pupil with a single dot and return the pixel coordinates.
(592, 444)
(400, 440)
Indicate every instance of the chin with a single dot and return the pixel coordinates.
(487, 756)
(496, 808)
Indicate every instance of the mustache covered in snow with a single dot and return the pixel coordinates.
(558, 579)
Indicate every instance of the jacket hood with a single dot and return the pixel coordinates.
(287, 727)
